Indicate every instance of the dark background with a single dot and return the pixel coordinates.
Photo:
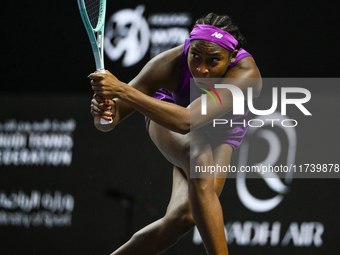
(44, 49)
(46, 59)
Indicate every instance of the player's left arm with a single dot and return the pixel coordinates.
(171, 116)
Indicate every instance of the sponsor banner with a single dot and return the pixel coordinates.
(252, 233)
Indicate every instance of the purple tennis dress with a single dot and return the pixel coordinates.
(223, 133)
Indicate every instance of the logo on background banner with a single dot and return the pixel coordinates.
(127, 33)
(130, 35)
(36, 143)
(37, 209)
(272, 179)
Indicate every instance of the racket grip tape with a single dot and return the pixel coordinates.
(102, 121)
(101, 70)
(105, 122)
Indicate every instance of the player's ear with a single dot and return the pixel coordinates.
(233, 56)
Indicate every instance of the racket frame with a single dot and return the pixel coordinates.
(96, 35)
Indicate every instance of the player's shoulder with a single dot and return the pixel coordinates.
(165, 68)
(244, 68)
(162, 71)
(246, 63)
(169, 59)
(247, 68)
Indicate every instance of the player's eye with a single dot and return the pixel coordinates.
(215, 59)
(194, 55)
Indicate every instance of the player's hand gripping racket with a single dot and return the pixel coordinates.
(92, 13)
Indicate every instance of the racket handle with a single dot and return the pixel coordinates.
(102, 121)
(105, 122)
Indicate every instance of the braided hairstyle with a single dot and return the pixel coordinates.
(224, 22)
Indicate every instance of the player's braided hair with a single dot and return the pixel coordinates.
(226, 23)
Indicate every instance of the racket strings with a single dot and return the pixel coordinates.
(92, 9)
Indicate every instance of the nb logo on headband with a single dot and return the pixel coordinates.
(217, 35)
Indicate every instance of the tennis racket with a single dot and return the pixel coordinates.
(92, 13)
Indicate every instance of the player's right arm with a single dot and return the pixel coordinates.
(160, 72)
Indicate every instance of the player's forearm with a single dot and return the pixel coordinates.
(171, 116)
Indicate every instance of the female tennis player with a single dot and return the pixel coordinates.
(179, 130)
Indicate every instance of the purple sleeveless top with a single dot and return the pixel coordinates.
(223, 133)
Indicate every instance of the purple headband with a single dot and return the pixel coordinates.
(214, 34)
